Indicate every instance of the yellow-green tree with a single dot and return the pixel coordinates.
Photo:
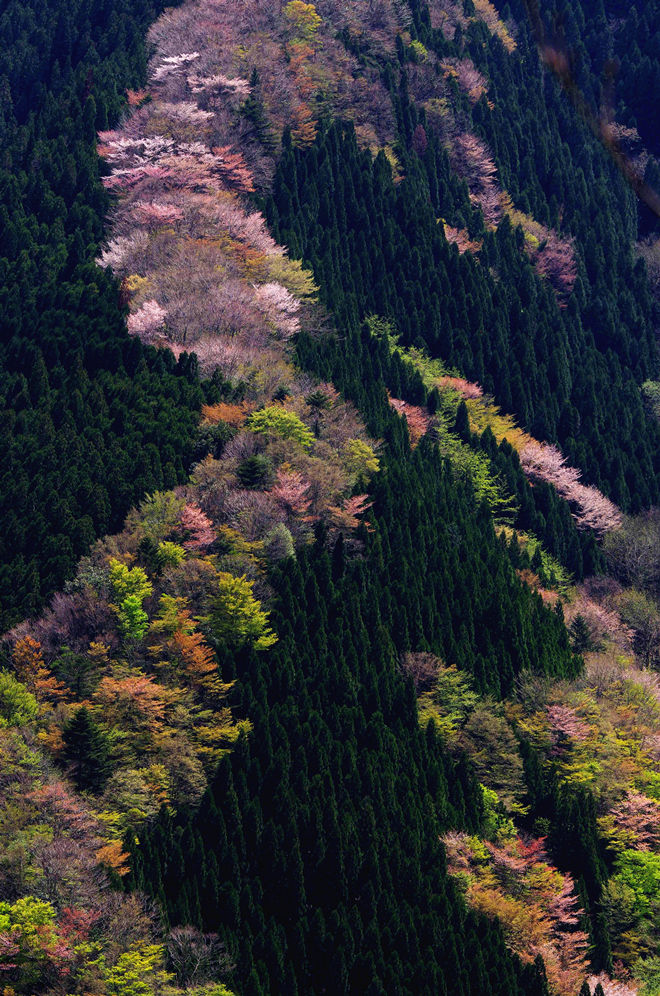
(236, 616)
(273, 419)
(361, 461)
(303, 19)
(130, 586)
(127, 581)
(139, 972)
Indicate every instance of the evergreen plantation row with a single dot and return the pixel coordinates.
(376, 247)
(310, 799)
(313, 859)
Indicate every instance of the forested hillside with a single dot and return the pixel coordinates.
(90, 419)
(332, 395)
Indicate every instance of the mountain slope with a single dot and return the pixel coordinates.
(319, 706)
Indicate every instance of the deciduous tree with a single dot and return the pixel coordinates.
(236, 617)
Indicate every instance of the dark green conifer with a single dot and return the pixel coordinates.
(87, 752)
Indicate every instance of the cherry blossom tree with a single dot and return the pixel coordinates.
(291, 490)
(555, 259)
(280, 308)
(122, 250)
(546, 462)
(147, 320)
(197, 524)
(612, 987)
(566, 726)
(472, 160)
(346, 517)
(470, 80)
(153, 213)
(464, 387)
(418, 420)
(633, 822)
(172, 64)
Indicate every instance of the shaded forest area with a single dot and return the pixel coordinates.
(570, 374)
(91, 420)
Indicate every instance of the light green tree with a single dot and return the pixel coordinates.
(170, 554)
(130, 586)
(280, 422)
(640, 872)
(159, 514)
(450, 702)
(133, 620)
(361, 461)
(18, 706)
(139, 972)
(28, 925)
(236, 616)
(127, 581)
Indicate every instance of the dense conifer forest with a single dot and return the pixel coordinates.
(91, 421)
(329, 560)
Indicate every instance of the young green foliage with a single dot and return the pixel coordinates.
(127, 582)
(277, 421)
(18, 706)
(236, 617)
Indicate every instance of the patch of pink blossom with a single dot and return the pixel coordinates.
(565, 725)
(612, 987)
(279, 307)
(236, 85)
(146, 320)
(593, 510)
(465, 388)
(173, 64)
(418, 420)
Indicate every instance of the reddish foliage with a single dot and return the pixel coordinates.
(461, 239)
(76, 924)
(418, 420)
(31, 670)
(532, 580)
(233, 169)
(9, 949)
(346, 516)
(198, 526)
(291, 490)
(303, 130)
(137, 703)
(136, 97)
(222, 412)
